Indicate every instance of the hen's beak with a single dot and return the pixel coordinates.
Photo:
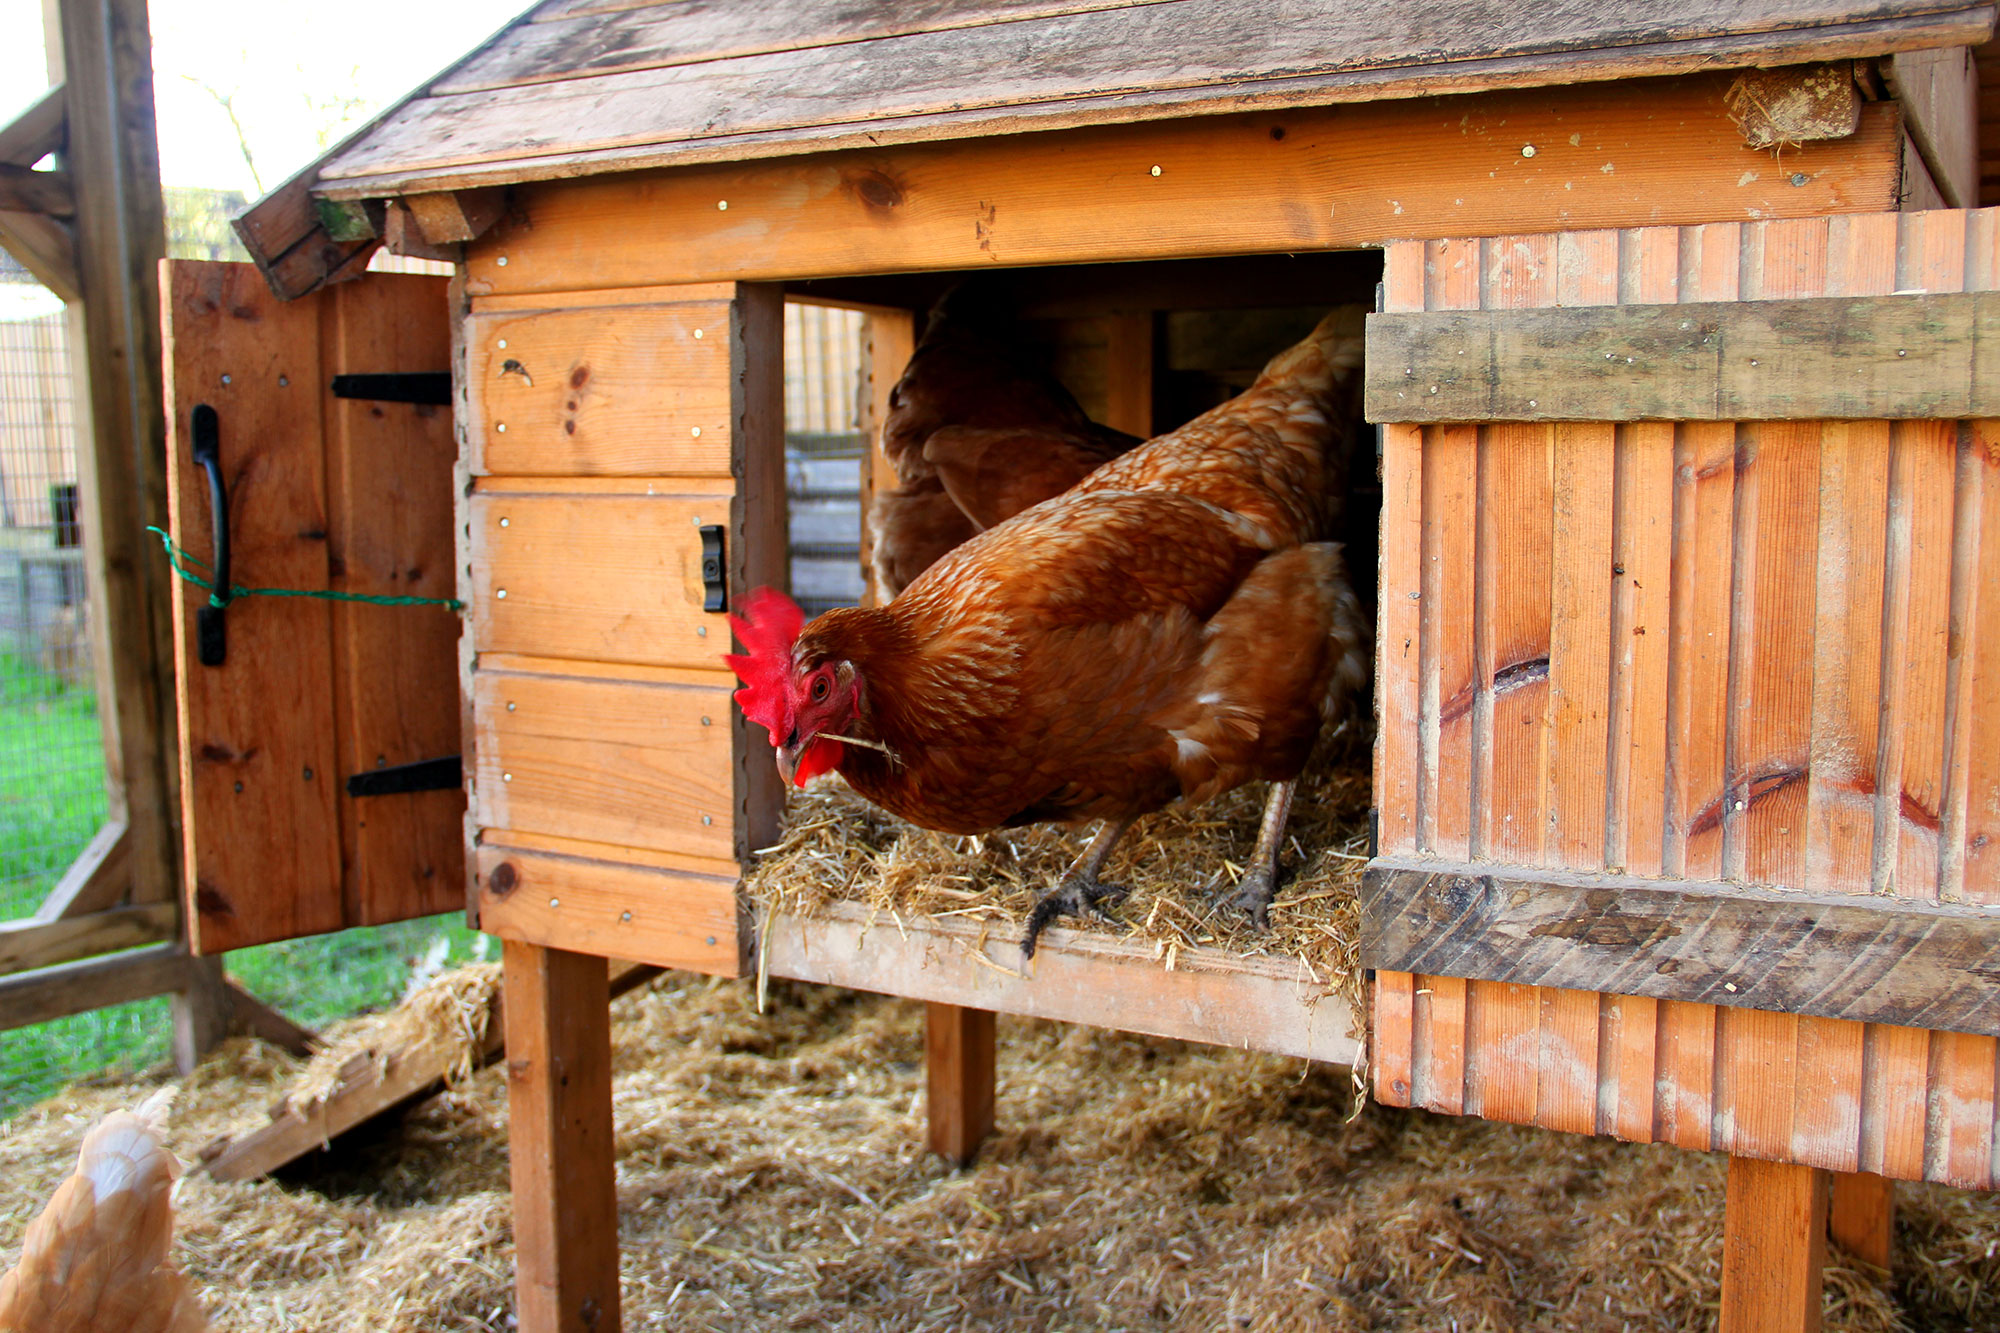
(788, 762)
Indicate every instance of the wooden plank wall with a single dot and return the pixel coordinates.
(605, 429)
(1768, 653)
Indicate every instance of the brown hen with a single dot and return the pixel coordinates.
(96, 1261)
(1174, 625)
(976, 432)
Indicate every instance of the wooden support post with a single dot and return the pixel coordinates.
(558, 1022)
(202, 1010)
(958, 1071)
(1861, 1216)
(1773, 1247)
(1129, 351)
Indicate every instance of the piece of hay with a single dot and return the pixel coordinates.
(1179, 865)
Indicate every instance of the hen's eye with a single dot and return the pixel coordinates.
(820, 688)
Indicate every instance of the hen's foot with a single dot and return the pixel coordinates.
(1075, 895)
(1254, 893)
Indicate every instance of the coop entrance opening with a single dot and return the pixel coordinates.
(1138, 348)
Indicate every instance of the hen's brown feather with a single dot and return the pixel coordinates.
(976, 433)
(1173, 625)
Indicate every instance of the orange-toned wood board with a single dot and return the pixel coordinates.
(1337, 177)
(325, 494)
(1773, 1247)
(958, 1085)
(1077, 977)
(1782, 596)
(634, 390)
(559, 1137)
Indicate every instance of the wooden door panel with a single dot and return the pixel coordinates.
(347, 496)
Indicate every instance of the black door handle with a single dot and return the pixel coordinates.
(210, 639)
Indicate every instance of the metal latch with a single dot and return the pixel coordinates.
(714, 575)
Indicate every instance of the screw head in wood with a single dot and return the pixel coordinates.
(1156, 169)
(500, 426)
(505, 523)
(624, 916)
(501, 593)
(309, 775)
(501, 261)
(502, 344)
(711, 941)
(225, 379)
(555, 902)
(1527, 150)
(706, 820)
(696, 432)
(284, 382)
(705, 722)
(722, 205)
(697, 334)
(1798, 178)
(701, 631)
(506, 777)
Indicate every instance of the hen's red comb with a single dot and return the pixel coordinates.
(768, 627)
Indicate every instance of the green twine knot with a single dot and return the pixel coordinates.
(180, 560)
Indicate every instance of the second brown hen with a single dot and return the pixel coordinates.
(976, 431)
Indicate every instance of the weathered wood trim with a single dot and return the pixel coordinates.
(1210, 996)
(1875, 959)
(99, 878)
(46, 247)
(33, 943)
(97, 983)
(1939, 90)
(26, 191)
(451, 217)
(40, 130)
(1104, 72)
(757, 525)
(1918, 357)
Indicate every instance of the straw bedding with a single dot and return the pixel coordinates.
(772, 1176)
(1179, 864)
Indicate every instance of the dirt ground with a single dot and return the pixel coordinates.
(772, 1175)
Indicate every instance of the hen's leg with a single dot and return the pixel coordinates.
(1254, 893)
(1078, 893)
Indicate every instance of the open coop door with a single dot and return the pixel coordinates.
(1689, 763)
(320, 739)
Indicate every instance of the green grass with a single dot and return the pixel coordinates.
(51, 803)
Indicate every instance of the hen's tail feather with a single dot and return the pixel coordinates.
(95, 1261)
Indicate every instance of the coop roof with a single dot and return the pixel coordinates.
(577, 87)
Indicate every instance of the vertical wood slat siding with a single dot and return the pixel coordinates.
(1766, 652)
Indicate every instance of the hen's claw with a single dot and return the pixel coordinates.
(1073, 895)
(1254, 893)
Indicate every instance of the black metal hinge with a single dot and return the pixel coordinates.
(446, 774)
(432, 388)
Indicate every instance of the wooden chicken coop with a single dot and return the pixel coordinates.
(1688, 768)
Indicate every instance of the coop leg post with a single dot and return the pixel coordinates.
(557, 1010)
(958, 1067)
(201, 1011)
(1861, 1216)
(1773, 1247)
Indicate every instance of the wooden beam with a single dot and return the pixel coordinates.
(1773, 1247)
(375, 1083)
(1861, 1216)
(758, 515)
(589, 905)
(1129, 352)
(99, 878)
(451, 217)
(1902, 961)
(958, 1079)
(40, 130)
(1838, 358)
(35, 943)
(202, 1012)
(26, 191)
(46, 248)
(97, 983)
(1326, 183)
(403, 236)
(291, 245)
(1939, 91)
(1782, 108)
(120, 239)
(558, 1026)
(1077, 977)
